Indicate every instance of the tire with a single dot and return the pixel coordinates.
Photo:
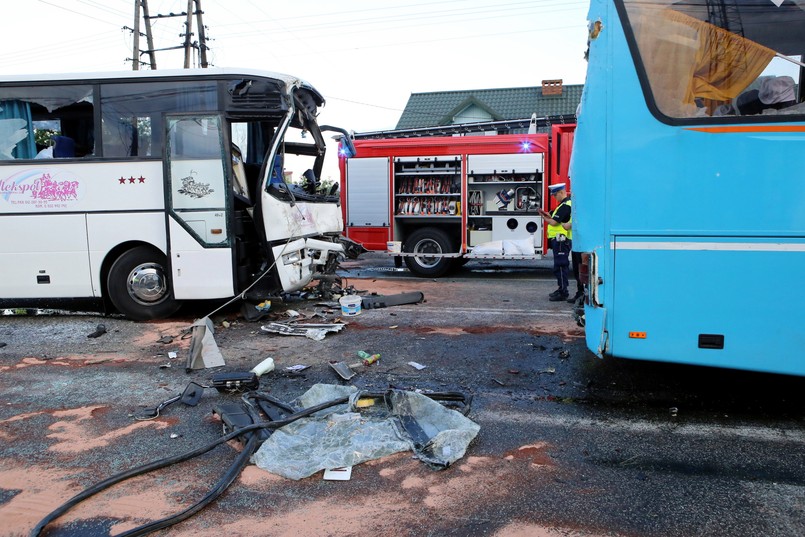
(139, 287)
(428, 240)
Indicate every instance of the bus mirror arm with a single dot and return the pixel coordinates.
(346, 139)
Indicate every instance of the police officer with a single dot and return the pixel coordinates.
(559, 239)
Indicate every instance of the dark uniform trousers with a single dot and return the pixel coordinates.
(561, 247)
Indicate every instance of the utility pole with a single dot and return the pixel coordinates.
(202, 36)
(188, 34)
(141, 12)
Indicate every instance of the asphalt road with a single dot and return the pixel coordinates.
(569, 445)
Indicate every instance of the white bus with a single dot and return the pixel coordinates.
(139, 190)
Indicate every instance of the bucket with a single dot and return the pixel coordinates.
(394, 247)
(350, 305)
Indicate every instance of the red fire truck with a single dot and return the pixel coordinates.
(436, 202)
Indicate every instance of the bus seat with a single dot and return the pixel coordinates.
(63, 147)
(777, 92)
(748, 103)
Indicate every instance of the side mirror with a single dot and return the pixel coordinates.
(347, 147)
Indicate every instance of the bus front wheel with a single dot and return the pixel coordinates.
(139, 287)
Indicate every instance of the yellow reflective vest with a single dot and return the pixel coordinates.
(554, 230)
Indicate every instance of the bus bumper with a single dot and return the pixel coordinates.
(298, 261)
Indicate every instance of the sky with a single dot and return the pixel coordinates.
(365, 57)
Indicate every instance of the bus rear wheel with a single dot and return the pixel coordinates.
(426, 241)
(139, 287)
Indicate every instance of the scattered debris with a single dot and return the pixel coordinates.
(165, 340)
(99, 331)
(315, 332)
(172, 355)
(293, 313)
(235, 382)
(417, 366)
(225, 324)
(393, 326)
(550, 370)
(350, 433)
(203, 348)
(498, 382)
(564, 354)
(174, 435)
(264, 367)
(368, 359)
(338, 474)
(674, 411)
(165, 366)
(342, 369)
(380, 301)
(296, 368)
(190, 396)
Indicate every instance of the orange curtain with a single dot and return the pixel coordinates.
(725, 63)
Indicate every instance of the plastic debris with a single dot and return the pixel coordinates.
(368, 359)
(344, 435)
(99, 331)
(296, 368)
(172, 355)
(417, 366)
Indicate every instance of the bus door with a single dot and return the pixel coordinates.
(199, 240)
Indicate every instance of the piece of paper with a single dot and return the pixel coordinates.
(338, 474)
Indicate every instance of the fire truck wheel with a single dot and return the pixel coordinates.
(139, 287)
(425, 241)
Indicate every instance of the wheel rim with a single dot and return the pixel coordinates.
(427, 246)
(147, 284)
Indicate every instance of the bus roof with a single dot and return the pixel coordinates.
(213, 72)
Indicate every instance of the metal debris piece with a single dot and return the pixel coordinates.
(312, 331)
(296, 368)
(342, 369)
(204, 350)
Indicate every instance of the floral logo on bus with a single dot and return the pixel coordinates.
(41, 189)
(193, 189)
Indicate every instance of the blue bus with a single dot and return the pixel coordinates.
(688, 175)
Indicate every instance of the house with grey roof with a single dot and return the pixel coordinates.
(442, 108)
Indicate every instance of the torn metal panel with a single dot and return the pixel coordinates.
(204, 350)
